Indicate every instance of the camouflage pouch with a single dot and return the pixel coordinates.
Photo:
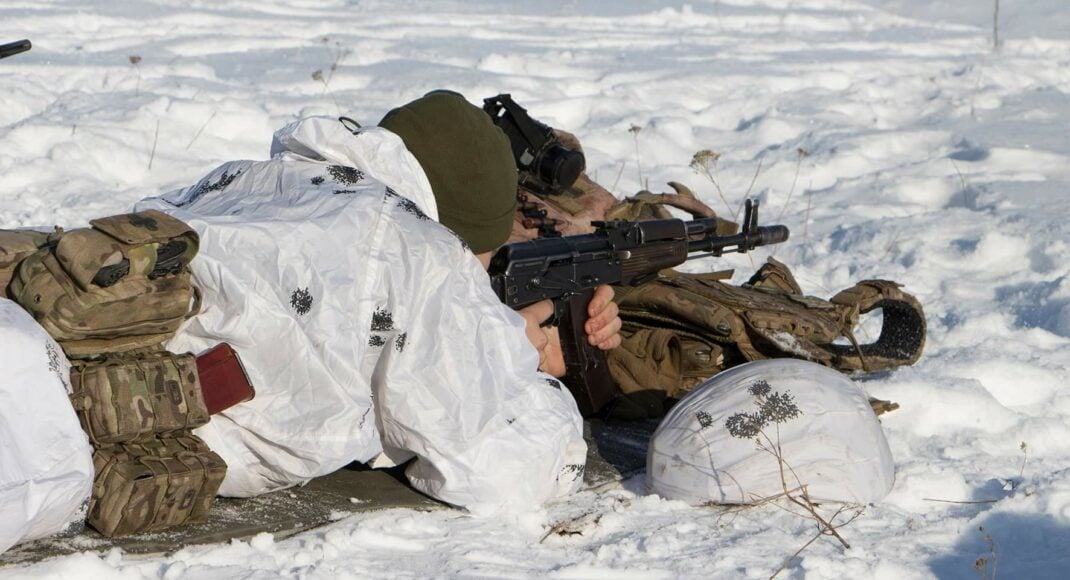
(153, 485)
(16, 245)
(126, 397)
(120, 285)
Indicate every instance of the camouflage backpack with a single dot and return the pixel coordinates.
(16, 245)
(120, 285)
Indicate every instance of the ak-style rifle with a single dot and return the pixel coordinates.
(568, 269)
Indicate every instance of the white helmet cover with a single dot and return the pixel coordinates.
(833, 445)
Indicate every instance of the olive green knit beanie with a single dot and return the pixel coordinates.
(468, 161)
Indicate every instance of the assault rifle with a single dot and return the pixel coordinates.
(567, 270)
(13, 48)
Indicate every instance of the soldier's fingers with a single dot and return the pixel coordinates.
(605, 334)
(603, 295)
(608, 314)
(538, 312)
(553, 360)
(533, 316)
(611, 342)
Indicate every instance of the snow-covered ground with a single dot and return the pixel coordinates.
(888, 135)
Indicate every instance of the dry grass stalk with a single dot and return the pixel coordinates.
(775, 408)
(635, 130)
(336, 54)
(134, 60)
(705, 164)
(155, 139)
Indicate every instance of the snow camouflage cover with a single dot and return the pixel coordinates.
(818, 420)
(46, 468)
(392, 366)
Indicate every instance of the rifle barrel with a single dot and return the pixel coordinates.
(14, 48)
(741, 242)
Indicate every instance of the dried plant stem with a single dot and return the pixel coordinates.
(336, 55)
(713, 178)
(774, 408)
(793, 556)
(201, 130)
(638, 164)
(134, 60)
(327, 89)
(963, 184)
(619, 174)
(804, 503)
(155, 139)
(753, 179)
(798, 164)
(1025, 457)
(799, 496)
(635, 130)
(980, 501)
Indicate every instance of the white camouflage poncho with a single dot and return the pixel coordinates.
(368, 329)
(46, 463)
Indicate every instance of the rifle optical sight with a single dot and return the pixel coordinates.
(13, 48)
(545, 164)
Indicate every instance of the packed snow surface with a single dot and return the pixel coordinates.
(893, 138)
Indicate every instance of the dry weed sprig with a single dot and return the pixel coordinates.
(576, 526)
(134, 60)
(982, 562)
(1025, 456)
(616, 181)
(336, 54)
(155, 139)
(201, 130)
(750, 187)
(963, 184)
(705, 164)
(774, 408)
(800, 154)
(635, 130)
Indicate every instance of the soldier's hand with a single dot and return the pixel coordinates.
(546, 340)
(603, 326)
